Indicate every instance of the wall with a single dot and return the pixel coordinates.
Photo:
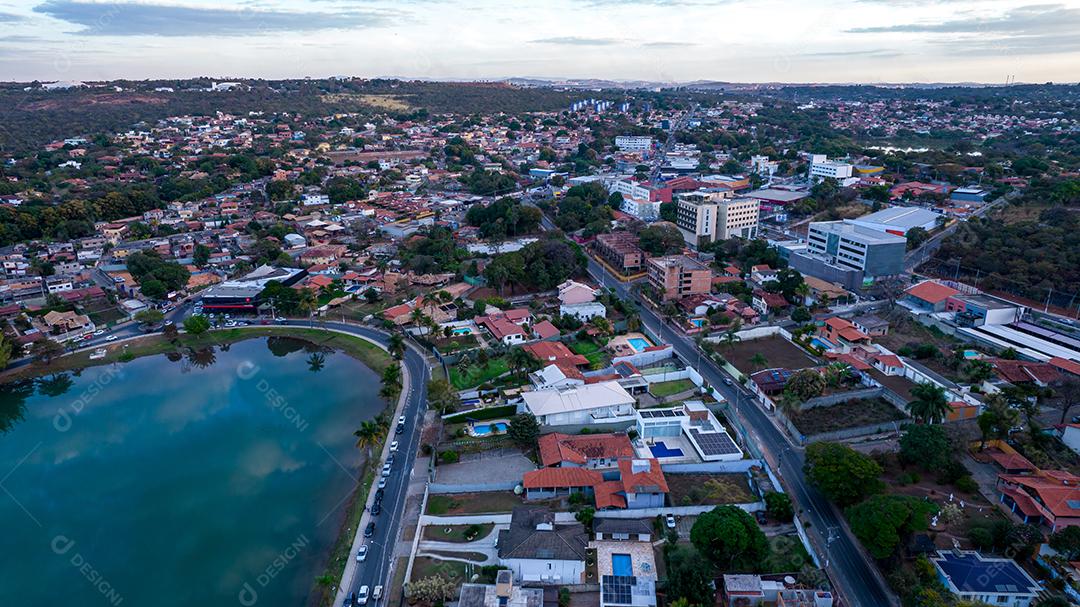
(471, 488)
(742, 465)
(536, 570)
(840, 397)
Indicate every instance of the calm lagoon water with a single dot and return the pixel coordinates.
(205, 480)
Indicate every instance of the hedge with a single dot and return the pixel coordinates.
(482, 414)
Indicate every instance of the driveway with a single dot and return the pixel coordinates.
(499, 469)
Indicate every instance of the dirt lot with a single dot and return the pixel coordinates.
(778, 351)
(702, 489)
(473, 503)
(850, 414)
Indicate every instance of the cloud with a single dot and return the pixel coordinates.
(1034, 29)
(668, 44)
(875, 53)
(131, 19)
(1025, 20)
(10, 18)
(576, 41)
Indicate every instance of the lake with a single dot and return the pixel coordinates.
(218, 478)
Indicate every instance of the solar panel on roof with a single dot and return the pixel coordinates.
(714, 443)
(618, 589)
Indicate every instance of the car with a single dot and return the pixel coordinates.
(1076, 419)
(379, 493)
(390, 459)
(280, 321)
(111, 338)
(382, 482)
(669, 520)
(362, 596)
(393, 446)
(376, 594)
(350, 601)
(370, 529)
(376, 508)
(264, 321)
(400, 428)
(99, 332)
(231, 323)
(727, 381)
(386, 469)
(361, 554)
(168, 322)
(401, 420)
(88, 336)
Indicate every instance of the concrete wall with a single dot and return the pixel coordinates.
(546, 571)
(840, 397)
(471, 488)
(737, 466)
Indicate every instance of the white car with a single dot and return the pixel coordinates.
(382, 483)
(111, 338)
(361, 597)
(99, 332)
(393, 446)
(361, 554)
(386, 469)
(670, 521)
(401, 420)
(377, 593)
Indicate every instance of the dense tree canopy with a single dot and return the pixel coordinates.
(730, 538)
(882, 522)
(843, 474)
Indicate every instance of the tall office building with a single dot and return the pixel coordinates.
(707, 216)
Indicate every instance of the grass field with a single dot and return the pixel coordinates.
(456, 533)
(667, 388)
(591, 350)
(478, 374)
(473, 503)
(708, 489)
(392, 103)
(786, 555)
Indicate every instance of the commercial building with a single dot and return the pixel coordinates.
(242, 294)
(620, 250)
(899, 220)
(707, 216)
(633, 143)
(677, 276)
(821, 168)
(856, 247)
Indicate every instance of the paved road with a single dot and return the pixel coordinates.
(849, 569)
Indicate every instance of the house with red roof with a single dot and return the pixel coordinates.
(595, 451)
(1046, 498)
(640, 484)
(928, 296)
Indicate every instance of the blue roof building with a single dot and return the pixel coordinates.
(993, 580)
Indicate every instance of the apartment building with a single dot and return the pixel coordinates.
(620, 251)
(678, 276)
(708, 216)
(821, 167)
(633, 143)
(848, 245)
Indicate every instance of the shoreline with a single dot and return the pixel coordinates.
(366, 352)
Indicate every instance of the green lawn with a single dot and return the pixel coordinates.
(439, 533)
(591, 350)
(478, 374)
(667, 388)
(786, 555)
(473, 503)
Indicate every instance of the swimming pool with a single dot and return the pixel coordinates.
(621, 564)
(486, 429)
(697, 322)
(821, 343)
(638, 343)
(661, 450)
(462, 331)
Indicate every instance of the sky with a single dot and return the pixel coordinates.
(865, 41)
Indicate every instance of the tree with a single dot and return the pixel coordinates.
(1067, 542)
(660, 239)
(6, 348)
(170, 332)
(928, 403)
(45, 350)
(689, 577)
(149, 316)
(916, 237)
(442, 397)
(800, 314)
(1066, 396)
(368, 435)
(585, 516)
(434, 589)
(196, 324)
(997, 419)
(201, 256)
(519, 361)
(758, 361)
(882, 522)
(524, 429)
(843, 474)
(730, 538)
(925, 446)
(805, 384)
(391, 383)
(396, 345)
(778, 506)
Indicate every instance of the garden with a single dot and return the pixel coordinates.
(465, 376)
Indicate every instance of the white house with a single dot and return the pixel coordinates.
(1071, 437)
(992, 580)
(602, 402)
(573, 292)
(584, 311)
(538, 550)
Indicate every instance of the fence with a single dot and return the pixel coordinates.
(738, 466)
(446, 488)
(676, 510)
(839, 435)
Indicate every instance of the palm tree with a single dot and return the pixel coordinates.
(418, 317)
(928, 403)
(391, 383)
(803, 291)
(519, 360)
(758, 361)
(308, 302)
(396, 345)
(316, 362)
(367, 436)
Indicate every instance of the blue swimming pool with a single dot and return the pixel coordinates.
(462, 331)
(621, 564)
(486, 429)
(821, 343)
(638, 343)
(662, 450)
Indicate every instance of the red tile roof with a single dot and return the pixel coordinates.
(545, 330)
(561, 477)
(1064, 364)
(645, 481)
(554, 351)
(932, 292)
(557, 448)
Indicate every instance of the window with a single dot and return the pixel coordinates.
(549, 565)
